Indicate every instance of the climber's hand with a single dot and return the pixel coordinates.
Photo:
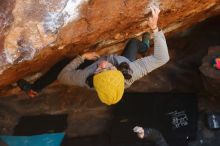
(152, 22)
(139, 131)
(90, 56)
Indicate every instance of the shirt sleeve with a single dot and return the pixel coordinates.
(145, 65)
(70, 75)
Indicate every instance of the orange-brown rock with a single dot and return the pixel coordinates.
(36, 34)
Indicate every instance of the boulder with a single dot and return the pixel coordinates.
(36, 34)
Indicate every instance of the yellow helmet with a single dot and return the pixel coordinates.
(109, 86)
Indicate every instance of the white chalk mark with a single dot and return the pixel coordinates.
(61, 17)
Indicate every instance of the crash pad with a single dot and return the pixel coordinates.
(53, 139)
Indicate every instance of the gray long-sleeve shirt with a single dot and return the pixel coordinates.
(70, 75)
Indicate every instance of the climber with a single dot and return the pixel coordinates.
(150, 135)
(109, 75)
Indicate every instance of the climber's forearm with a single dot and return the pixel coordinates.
(143, 66)
(161, 53)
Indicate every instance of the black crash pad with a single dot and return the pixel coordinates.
(173, 114)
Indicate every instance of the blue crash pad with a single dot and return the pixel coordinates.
(54, 139)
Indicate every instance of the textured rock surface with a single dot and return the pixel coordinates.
(35, 34)
(83, 107)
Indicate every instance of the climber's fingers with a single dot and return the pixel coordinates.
(96, 55)
(157, 10)
(138, 129)
(91, 56)
(153, 11)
